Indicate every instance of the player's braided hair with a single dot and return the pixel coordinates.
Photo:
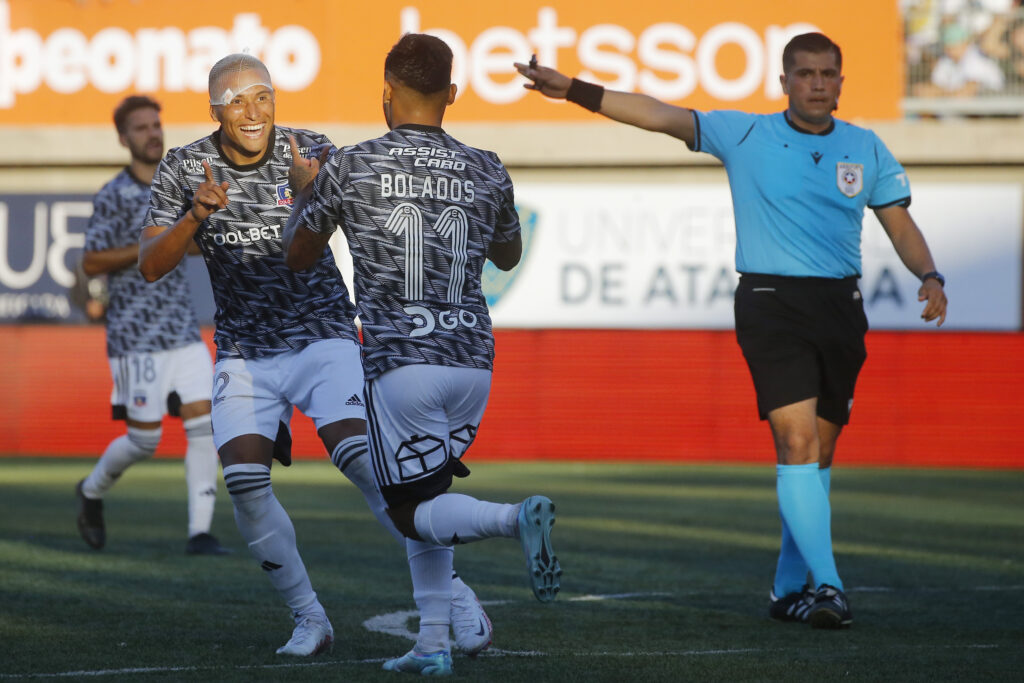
(130, 104)
(815, 43)
(420, 62)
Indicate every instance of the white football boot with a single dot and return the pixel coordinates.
(312, 635)
(470, 623)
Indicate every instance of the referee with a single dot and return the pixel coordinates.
(800, 180)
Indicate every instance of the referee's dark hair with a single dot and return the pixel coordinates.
(815, 43)
(420, 62)
(130, 104)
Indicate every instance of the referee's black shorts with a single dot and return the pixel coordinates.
(803, 337)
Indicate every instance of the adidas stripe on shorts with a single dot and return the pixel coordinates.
(323, 379)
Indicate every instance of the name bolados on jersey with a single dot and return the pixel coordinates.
(141, 316)
(420, 211)
(263, 307)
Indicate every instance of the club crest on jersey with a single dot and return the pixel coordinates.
(850, 178)
(139, 400)
(284, 195)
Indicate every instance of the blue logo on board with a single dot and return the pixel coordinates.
(496, 282)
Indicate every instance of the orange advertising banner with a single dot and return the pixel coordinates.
(70, 61)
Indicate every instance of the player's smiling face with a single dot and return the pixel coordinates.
(246, 121)
(813, 84)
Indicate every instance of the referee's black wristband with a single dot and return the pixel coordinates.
(587, 95)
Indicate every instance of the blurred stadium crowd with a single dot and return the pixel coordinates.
(964, 57)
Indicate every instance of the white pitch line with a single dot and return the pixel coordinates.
(395, 623)
(379, 660)
(192, 669)
(617, 596)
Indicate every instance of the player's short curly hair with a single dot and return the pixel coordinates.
(130, 104)
(420, 62)
(815, 43)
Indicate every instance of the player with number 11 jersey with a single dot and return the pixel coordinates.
(420, 210)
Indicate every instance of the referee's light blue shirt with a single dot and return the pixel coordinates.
(799, 197)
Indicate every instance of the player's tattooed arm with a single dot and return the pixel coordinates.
(302, 247)
(303, 170)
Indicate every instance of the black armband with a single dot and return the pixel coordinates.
(587, 95)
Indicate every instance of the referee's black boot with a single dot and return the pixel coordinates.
(831, 609)
(792, 606)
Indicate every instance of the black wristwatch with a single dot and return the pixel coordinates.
(934, 274)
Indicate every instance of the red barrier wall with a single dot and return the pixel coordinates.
(951, 399)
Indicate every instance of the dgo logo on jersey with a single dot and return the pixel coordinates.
(284, 195)
(850, 178)
(496, 282)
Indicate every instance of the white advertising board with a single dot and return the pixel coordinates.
(662, 257)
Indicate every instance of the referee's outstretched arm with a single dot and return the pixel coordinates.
(635, 109)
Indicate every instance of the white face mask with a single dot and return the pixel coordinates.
(235, 83)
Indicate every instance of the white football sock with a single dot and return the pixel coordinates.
(121, 453)
(352, 458)
(200, 474)
(268, 530)
(452, 518)
(431, 569)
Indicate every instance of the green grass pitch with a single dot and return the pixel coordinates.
(667, 571)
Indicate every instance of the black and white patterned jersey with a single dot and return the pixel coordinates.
(420, 211)
(141, 316)
(263, 307)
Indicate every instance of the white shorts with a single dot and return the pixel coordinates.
(324, 380)
(421, 419)
(144, 381)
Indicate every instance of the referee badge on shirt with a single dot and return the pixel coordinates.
(850, 178)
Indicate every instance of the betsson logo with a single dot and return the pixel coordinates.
(670, 61)
(662, 49)
(149, 60)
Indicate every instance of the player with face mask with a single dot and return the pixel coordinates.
(284, 339)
